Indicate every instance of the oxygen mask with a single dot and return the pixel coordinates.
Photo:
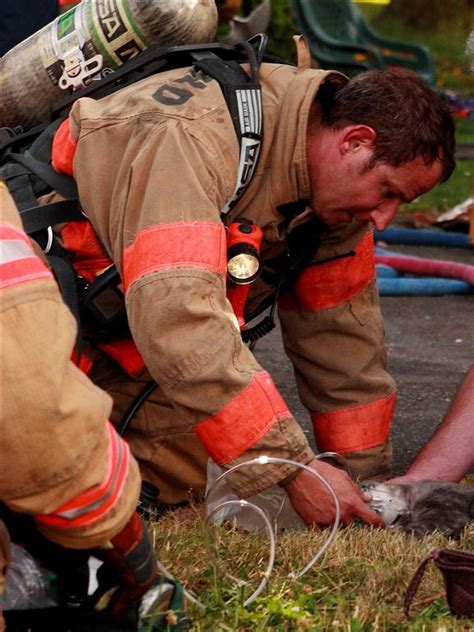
(389, 501)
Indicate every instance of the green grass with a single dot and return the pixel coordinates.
(357, 587)
(464, 131)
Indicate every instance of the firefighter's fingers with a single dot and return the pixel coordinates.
(364, 513)
(315, 504)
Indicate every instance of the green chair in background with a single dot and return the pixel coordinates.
(340, 38)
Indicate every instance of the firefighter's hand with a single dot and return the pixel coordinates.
(129, 568)
(312, 501)
(406, 479)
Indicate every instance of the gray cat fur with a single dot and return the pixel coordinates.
(435, 506)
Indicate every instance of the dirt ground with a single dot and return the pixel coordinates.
(430, 342)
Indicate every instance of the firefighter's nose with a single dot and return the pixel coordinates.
(382, 217)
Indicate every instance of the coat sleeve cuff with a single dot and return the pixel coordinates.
(285, 439)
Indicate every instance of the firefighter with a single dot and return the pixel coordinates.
(156, 164)
(68, 480)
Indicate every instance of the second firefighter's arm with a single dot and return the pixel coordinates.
(449, 454)
(62, 462)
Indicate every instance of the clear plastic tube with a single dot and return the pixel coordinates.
(271, 536)
(269, 527)
(263, 460)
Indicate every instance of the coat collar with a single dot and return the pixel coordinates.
(290, 156)
(281, 183)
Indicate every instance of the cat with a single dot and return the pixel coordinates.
(424, 507)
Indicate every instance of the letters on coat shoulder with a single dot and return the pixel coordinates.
(180, 90)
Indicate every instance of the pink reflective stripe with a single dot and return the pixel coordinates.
(93, 504)
(244, 421)
(18, 262)
(199, 245)
(356, 428)
(8, 231)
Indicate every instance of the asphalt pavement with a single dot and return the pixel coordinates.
(430, 342)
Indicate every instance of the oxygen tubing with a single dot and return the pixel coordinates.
(212, 516)
(423, 237)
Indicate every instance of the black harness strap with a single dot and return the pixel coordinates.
(66, 279)
(19, 183)
(28, 175)
(64, 185)
(41, 217)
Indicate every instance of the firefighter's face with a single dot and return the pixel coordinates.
(347, 187)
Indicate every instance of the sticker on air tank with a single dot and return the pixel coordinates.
(69, 55)
(118, 34)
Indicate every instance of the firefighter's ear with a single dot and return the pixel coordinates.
(357, 137)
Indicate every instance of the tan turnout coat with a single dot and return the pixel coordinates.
(55, 444)
(155, 163)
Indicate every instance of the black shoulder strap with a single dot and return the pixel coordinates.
(243, 96)
(27, 177)
(222, 63)
(28, 174)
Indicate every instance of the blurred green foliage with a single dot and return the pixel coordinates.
(281, 30)
(447, 43)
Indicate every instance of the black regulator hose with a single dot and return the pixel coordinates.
(261, 329)
(135, 405)
(148, 504)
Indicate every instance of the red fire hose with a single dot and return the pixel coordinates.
(428, 267)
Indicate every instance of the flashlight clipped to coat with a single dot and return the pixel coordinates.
(244, 239)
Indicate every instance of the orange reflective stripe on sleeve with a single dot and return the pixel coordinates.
(200, 245)
(335, 282)
(243, 421)
(64, 149)
(354, 429)
(18, 262)
(92, 504)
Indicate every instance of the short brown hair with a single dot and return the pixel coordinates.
(410, 119)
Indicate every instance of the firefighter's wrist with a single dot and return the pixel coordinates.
(307, 457)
